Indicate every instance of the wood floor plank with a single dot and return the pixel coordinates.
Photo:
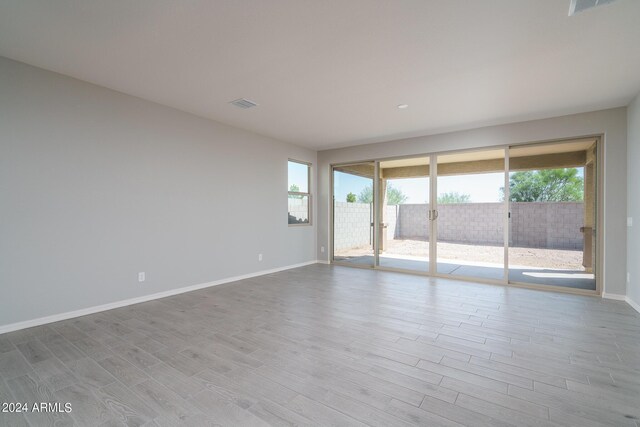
(34, 351)
(334, 345)
(627, 406)
(181, 384)
(499, 412)
(522, 372)
(361, 411)
(260, 386)
(123, 371)
(321, 414)
(126, 405)
(510, 402)
(418, 416)
(277, 415)
(54, 374)
(29, 390)
(62, 348)
(559, 405)
(413, 383)
(480, 380)
(224, 411)
(164, 401)
(489, 373)
(90, 373)
(136, 356)
(86, 408)
(10, 419)
(458, 414)
(227, 388)
(5, 344)
(13, 364)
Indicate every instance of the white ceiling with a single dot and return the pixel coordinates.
(330, 73)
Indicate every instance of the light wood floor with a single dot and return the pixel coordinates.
(323, 345)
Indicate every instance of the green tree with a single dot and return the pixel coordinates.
(366, 195)
(453, 197)
(351, 198)
(547, 185)
(395, 196)
(293, 188)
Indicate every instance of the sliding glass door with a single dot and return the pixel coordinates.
(524, 214)
(353, 214)
(552, 195)
(471, 214)
(404, 211)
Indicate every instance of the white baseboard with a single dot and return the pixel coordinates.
(322, 261)
(633, 304)
(617, 297)
(137, 300)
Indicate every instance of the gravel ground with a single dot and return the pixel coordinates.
(529, 257)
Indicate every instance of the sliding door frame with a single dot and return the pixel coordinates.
(433, 226)
(505, 243)
(433, 221)
(599, 219)
(332, 260)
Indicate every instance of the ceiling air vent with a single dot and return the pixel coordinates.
(243, 103)
(577, 6)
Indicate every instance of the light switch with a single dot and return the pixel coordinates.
(629, 221)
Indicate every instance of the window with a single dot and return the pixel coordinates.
(299, 196)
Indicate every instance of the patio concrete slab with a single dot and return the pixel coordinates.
(538, 276)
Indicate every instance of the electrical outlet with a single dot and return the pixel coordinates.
(142, 276)
(259, 257)
(322, 249)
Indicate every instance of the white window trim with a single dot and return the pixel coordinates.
(300, 193)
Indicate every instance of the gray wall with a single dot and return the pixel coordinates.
(96, 186)
(612, 124)
(633, 232)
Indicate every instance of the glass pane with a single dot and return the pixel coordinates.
(404, 197)
(471, 214)
(552, 205)
(298, 177)
(353, 214)
(298, 209)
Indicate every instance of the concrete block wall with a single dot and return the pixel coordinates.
(554, 225)
(352, 222)
(473, 223)
(299, 208)
(413, 221)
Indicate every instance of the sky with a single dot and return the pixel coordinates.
(298, 175)
(482, 188)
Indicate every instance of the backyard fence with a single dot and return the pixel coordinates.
(554, 225)
(352, 223)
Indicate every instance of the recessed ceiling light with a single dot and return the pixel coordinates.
(402, 106)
